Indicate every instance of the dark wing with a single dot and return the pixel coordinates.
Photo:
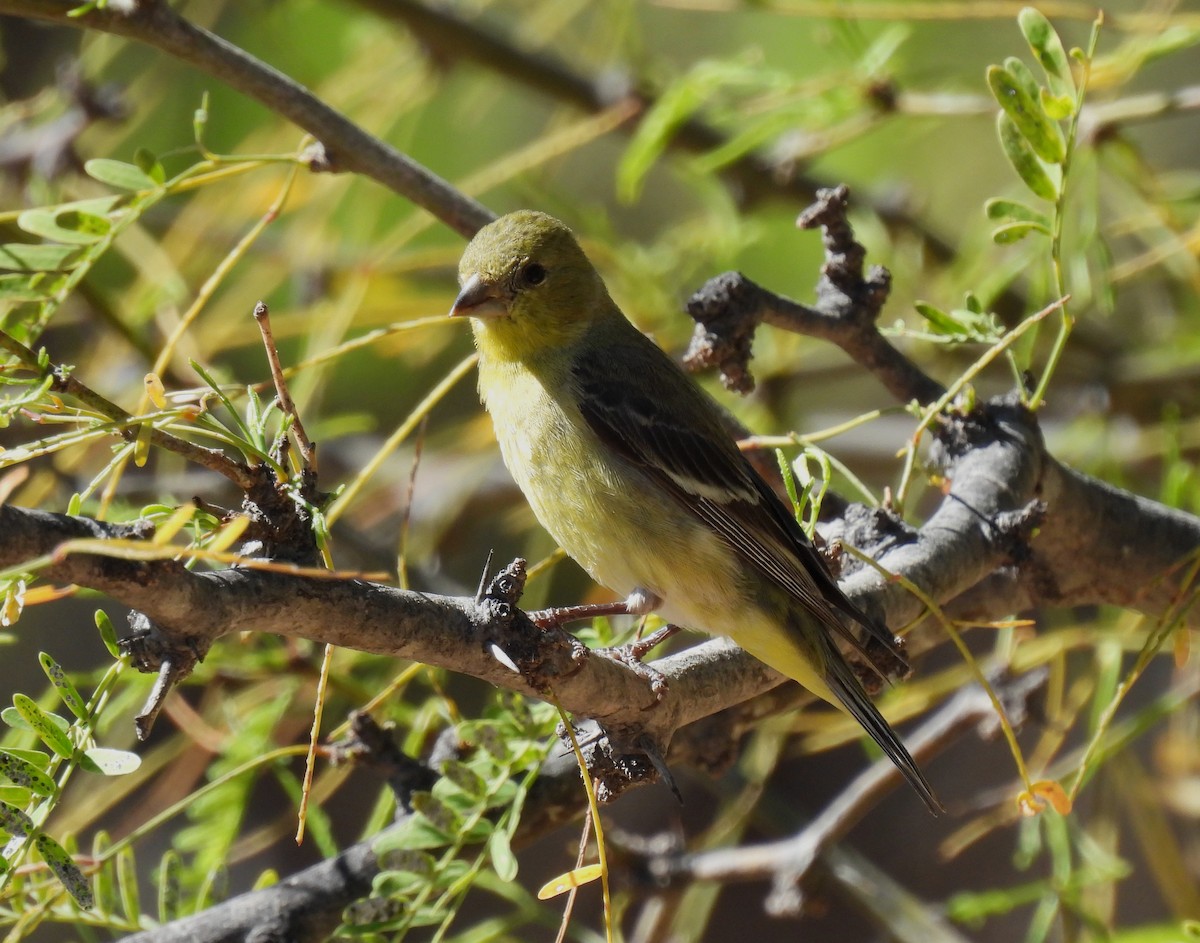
(695, 460)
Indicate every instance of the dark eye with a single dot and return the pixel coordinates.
(533, 274)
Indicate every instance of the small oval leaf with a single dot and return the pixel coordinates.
(569, 881)
(464, 777)
(1025, 110)
(14, 821)
(1024, 161)
(1010, 233)
(109, 762)
(1015, 211)
(23, 257)
(108, 633)
(504, 862)
(170, 875)
(118, 174)
(66, 689)
(66, 870)
(1048, 48)
(50, 728)
(25, 774)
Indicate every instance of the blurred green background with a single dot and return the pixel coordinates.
(889, 98)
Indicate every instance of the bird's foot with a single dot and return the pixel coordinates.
(631, 656)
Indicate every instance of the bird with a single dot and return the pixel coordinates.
(625, 461)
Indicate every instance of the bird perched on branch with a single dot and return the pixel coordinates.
(626, 463)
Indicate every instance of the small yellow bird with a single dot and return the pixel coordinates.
(626, 463)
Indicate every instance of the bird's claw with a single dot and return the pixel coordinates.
(631, 656)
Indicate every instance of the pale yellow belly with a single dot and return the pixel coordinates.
(623, 530)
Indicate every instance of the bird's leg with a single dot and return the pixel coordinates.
(639, 603)
(555, 617)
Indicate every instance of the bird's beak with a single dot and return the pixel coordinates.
(479, 299)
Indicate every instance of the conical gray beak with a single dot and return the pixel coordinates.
(479, 299)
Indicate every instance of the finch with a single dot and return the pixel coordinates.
(626, 462)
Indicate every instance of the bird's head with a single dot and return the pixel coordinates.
(527, 287)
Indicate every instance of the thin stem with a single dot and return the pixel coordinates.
(1037, 399)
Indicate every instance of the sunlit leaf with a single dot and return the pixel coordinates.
(109, 762)
(1024, 161)
(1016, 212)
(22, 257)
(1015, 232)
(66, 870)
(568, 881)
(1044, 136)
(504, 862)
(156, 391)
(108, 633)
(118, 174)
(50, 728)
(1048, 48)
(67, 691)
(24, 773)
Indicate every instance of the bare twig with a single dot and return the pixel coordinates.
(308, 451)
(729, 307)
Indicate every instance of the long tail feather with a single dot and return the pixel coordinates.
(846, 688)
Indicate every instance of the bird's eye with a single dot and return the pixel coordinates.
(533, 274)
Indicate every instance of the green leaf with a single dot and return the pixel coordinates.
(15, 822)
(675, 105)
(23, 287)
(214, 888)
(33, 757)
(102, 878)
(63, 224)
(150, 165)
(503, 860)
(1023, 76)
(1024, 161)
(1057, 107)
(399, 883)
(1016, 212)
(269, 877)
(127, 884)
(24, 773)
(464, 777)
(50, 728)
(414, 832)
(171, 871)
(17, 796)
(118, 174)
(23, 257)
(372, 914)
(66, 870)
(409, 860)
(109, 762)
(1048, 48)
(66, 689)
(938, 319)
(1010, 233)
(108, 634)
(436, 812)
(1011, 91)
